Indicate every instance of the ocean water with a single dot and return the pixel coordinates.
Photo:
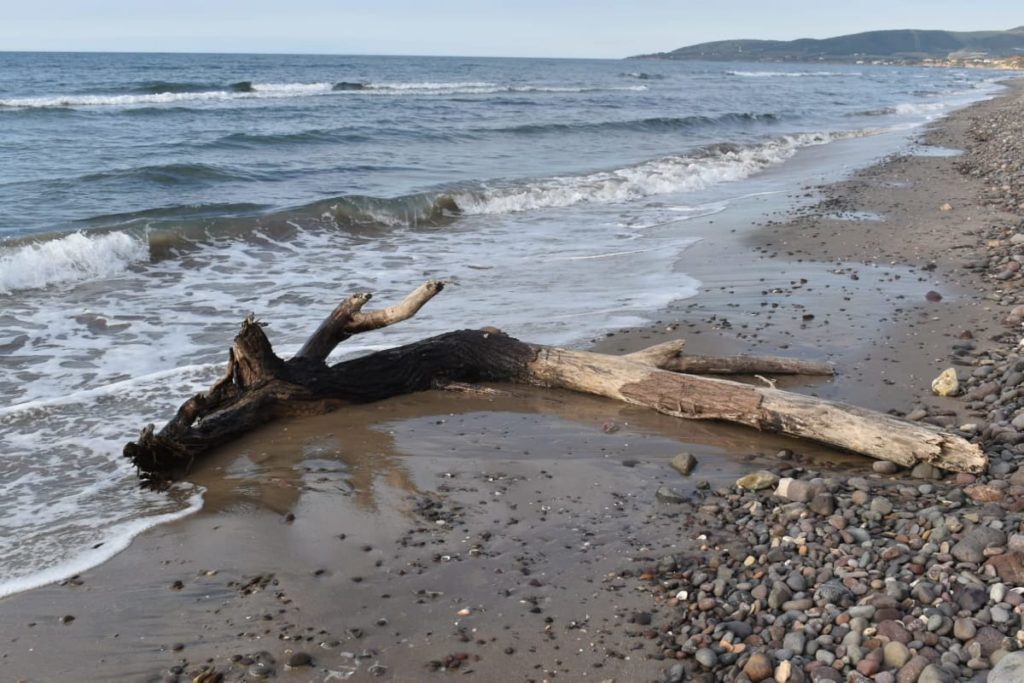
(149, 202)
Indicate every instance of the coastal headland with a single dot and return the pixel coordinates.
(528, 535)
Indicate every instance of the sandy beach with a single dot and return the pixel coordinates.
(517, 535)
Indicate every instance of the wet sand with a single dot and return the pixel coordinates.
(488, 534)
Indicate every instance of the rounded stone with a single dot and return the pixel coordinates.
(1010, 669)
(706, 657)
(934, 673)
(758, 667)
(895, 654)
(964, 629)
(300, 659)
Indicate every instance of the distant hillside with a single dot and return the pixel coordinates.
(899, 45)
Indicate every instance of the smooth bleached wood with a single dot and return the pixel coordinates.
(748, 365)
(348, 319)
(837, 424)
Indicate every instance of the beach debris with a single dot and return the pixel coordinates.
(932, 295)
(740, 365)
(946, 207)
(259, 386)
(946, 384)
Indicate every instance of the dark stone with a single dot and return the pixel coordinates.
(300, 659)
(740, 629)
(971, 598)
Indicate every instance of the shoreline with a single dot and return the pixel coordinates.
(531, 525)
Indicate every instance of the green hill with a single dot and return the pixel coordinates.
(901, 45)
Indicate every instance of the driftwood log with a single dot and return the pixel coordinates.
(747, 365)
(258, 386)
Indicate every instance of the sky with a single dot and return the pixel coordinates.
(523, 28)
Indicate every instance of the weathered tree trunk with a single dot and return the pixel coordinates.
(258, 386)
(748, 365)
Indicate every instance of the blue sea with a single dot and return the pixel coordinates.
(148, 202)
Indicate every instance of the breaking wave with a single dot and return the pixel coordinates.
(905, 109)
(157, 93)
(670, 174)
(169, 232)
(71, 258)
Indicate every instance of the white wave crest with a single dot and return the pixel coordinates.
(919, 107)
(667, 175)
(259, 90)
(482, 88)
(73, 258)
(790, 74)
(285, 90)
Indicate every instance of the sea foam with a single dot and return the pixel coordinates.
(73, 258)
(666, 175)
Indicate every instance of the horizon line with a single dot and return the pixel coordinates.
(296, 54)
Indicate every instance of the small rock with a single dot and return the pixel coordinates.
(895, 654)
(984, 493)
(794, 641)
(823, 504)
(971, 598)
(932, 295)
(885, 467)
(300, 659)
(946, 384)
(666, 494)
(1010, 669)
(756, 481)
(833, 593)
(795, 490)
(989, 640)
(758, 667)
(706, 657)
(964, 629)
(925, 470)
(933, 673)
(1017, 478)
(1009, 567)
(684, 463)
(881, 505)
(969, 550)
(911, 671)
(675, 674)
